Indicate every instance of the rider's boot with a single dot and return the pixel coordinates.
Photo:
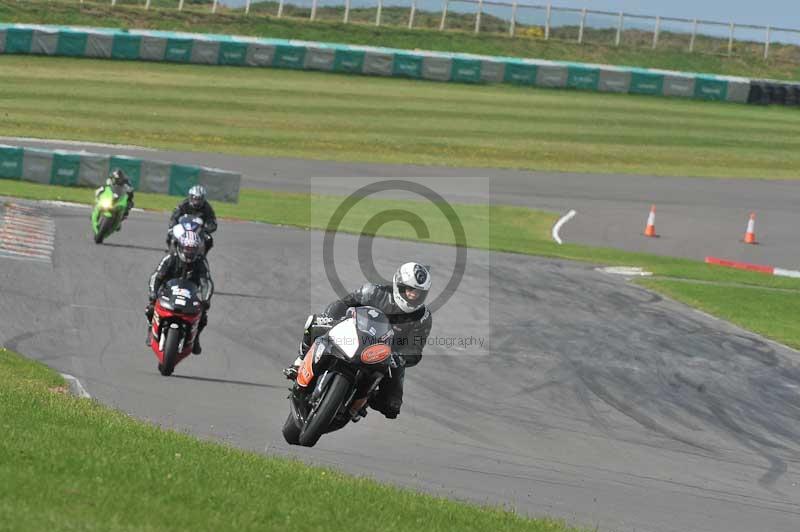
(291, 372)
(196, 349)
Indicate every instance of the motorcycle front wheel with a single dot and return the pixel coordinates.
(291, 432)
(103, 228)
(170, 352)
(330, 402)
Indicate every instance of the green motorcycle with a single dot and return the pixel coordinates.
(109, 210)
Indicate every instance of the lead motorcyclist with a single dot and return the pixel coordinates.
(117, 178)
(188, 263)
(403, 303)
(196, 204)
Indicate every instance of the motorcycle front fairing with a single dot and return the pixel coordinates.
(355, 348)
(177, 306)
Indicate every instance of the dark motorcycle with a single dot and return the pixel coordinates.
(176, 317)
(339, 374)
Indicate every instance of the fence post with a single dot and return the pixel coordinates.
(694, 34)
(146, 5)
(620, 24)
(583, 23)
(113, 3)
(730, 39)
(766, 43)
(378, 13)
(655, 32)
(411, 14)
(347, 11)
(180, 5)
(313, 10)
(513, 25)
(214, 7)
(547, 22)
(247, 8)
(478, 17)
(444, 14)
(280, 8)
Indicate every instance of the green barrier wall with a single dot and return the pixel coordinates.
(178, 50)
(232, 53)
(71, 44)
(520, 73)
(68, 168)
(10, 162)
(287, 56)
(407, 65)
(464, 68)
(582, 77)
(182, 178)
(126, 46)
(19, 41)
(348, 61)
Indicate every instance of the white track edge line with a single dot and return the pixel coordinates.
(76, 143)
(76, 387)
(557, 227)
(785, 273)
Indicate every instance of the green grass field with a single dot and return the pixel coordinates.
(73, 464)
(771, 313)
(784, 62)
(354, 118)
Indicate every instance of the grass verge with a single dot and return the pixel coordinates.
(323, 116)
(507, 229)
(634, 51)
(73, 464)
(771, 313)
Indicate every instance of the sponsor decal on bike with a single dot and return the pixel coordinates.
(375, 354)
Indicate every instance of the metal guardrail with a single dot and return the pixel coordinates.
(549, 26)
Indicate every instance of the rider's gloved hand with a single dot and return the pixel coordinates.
(398, 361)
(148, 311)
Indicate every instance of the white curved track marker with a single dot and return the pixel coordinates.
(564, 219)
(76, 386)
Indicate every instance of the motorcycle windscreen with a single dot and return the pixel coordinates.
(180, 295)
(344, 335)
(373, 323)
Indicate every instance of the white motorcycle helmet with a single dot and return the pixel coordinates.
(410, 286)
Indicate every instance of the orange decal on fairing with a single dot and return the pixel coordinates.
(375, 354)
(306, 372)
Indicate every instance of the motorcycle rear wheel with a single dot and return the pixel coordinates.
(329, 404)
(170, 352)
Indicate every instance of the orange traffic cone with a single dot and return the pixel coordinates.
(650, 228)
(750, 232)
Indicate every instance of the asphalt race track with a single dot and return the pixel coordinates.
(695, 217)
(591, 400)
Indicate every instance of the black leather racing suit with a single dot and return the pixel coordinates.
(171, 267)
(410, 336)
(206, 212)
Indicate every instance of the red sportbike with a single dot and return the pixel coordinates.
(175, 320)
